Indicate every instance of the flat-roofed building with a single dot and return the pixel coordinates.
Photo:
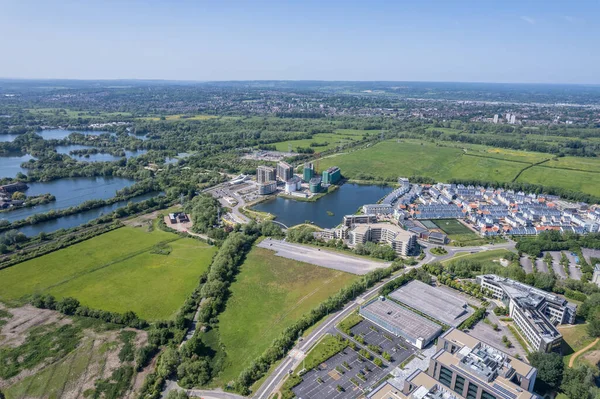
(351, 220)
(433, 302)
(399, 239)
(293, 184)
(401, 322)
(284, 171)
(381, 209)
(534, 311)
(265, 174)
(332, 175)
(465, 368)
(267, 187)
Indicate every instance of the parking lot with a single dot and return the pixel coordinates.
(388, 342)
(350, 373)
(322, 257)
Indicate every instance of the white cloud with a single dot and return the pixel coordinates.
(527, 19)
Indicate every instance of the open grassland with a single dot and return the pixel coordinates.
(57, 356)
(77, 114)
(332, 140)
(390, 159)
(116, 271)
(393, 158)
(460, 234)
(269, 295)
(586, 182)
(484, 257)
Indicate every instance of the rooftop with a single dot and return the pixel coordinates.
(434, 302)
(402, 319)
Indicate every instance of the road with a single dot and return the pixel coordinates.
(273, 381)
(238, 216)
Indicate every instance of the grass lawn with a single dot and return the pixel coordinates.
(575, 337)
(115, 271)
(452, 226)
(590, 164)
(325, 349)
(485, 256)
(269, 294)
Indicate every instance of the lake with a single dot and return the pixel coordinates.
(10, 165)
(65, 149)
(344, 201)
(68, 222)
(69, 192)
(59, 134)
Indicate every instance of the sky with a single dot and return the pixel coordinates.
(454, 40)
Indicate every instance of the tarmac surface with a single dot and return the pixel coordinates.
(322, 257)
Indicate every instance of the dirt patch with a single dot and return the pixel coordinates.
(592, 357)
(14, 332)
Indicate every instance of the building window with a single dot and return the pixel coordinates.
(472, 391)
(487, 395)
(445, 376)
(459, 385)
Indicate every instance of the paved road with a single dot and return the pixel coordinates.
(322, 257)
(274, 380)
(556, 266)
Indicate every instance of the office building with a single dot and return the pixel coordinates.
(496, 118)
(265, 174)
(513, 119)
(465, 368)
(596, 276)
(314, 185)
(308, 172)
(400, 321)
(268, 187)
(534, 311)
(284, 171)
(332, 175)
(401, 241)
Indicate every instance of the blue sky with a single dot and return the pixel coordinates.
(461, 40)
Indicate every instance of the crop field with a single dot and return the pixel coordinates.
(116, 271)
(270, 294)
(389, 159)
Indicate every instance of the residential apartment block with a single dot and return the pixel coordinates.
(400, 240)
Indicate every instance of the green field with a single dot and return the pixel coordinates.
(392, 158)
(115, 271)
(484, 257)
(340, 136)
(587, 182)
(459, 233)
(269, 294)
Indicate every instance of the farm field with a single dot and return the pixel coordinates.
(116, 271)
(389, 159)
(269, 294)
